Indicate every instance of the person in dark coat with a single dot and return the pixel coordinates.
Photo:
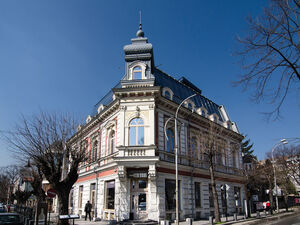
(87, 209)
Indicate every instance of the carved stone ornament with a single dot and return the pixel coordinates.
(151, 106)
(121, 172)
(123, 107)
(137, 113)
(152, 172)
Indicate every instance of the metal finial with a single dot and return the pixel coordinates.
(140, 32)
(140, 27)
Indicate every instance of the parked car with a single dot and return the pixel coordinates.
(10, 219)
(2, 208)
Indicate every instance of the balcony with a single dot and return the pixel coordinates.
(201, 164)
(136, 151)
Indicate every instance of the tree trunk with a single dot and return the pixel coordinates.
(215, 195)
(63, 201)
(271, 197)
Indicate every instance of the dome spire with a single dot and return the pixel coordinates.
(140, 32)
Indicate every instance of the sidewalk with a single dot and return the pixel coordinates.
(241, 221)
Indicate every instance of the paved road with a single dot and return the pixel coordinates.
(293, 220)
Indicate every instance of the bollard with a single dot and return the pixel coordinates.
(257, 214)
(189, 221)
(211, 220)
(235, 216)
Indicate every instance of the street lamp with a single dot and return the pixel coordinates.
(176, 154)
(282, 142)
(96, 195)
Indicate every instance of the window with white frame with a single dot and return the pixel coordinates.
(167, 93)
(190, 105)
(137, 73)
(136, 132)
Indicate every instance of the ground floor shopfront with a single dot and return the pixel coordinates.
(149, 194)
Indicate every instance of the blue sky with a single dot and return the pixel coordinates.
(65, 55)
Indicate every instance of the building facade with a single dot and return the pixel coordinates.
(130, 173)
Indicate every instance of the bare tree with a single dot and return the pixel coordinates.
(270, 54)
(43, 138)
(211, 151)
(9, 176)
(288, 159)
(265, 169)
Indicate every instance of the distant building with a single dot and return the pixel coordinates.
(130, 173)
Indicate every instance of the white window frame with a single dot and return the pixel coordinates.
(143, 67)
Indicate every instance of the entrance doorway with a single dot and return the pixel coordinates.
(138, 206)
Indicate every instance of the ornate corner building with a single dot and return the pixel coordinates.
(130, 173)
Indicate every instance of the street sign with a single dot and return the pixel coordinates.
(51, 193)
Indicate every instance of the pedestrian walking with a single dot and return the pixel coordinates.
(87, 209)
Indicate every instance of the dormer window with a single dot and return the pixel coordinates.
(137, 73)
(190, 105)
(202, 111)
(167, 93)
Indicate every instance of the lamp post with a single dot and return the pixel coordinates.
(176, 154)
(282, 142)
(96, 195)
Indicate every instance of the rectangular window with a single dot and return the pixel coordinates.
(197, 195)
(80, 196)
(170, 191)
(142, 184)
(93, 194)
(141, 136)
(142, 202)
(132, 136)
(211, 198)
(237, 196)
(110, 194)
(71, 198)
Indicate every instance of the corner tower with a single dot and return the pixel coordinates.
(139, 62)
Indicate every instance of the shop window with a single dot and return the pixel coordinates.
(93, 194)
(237, 196)
(197, 195)
(136, 132)
(110, 194)
(80, 196)
(170, 188)
(171, 140)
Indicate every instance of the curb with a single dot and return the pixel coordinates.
(263, 220)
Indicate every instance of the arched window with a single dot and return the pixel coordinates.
(168, 95)
(194, 148)
(136, 132)
(111, 142)
(171, 140)
(137, 73)
(95, 150)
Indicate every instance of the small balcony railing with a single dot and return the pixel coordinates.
(136, 151)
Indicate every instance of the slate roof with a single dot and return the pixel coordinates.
(180, 88)
(182, 91)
